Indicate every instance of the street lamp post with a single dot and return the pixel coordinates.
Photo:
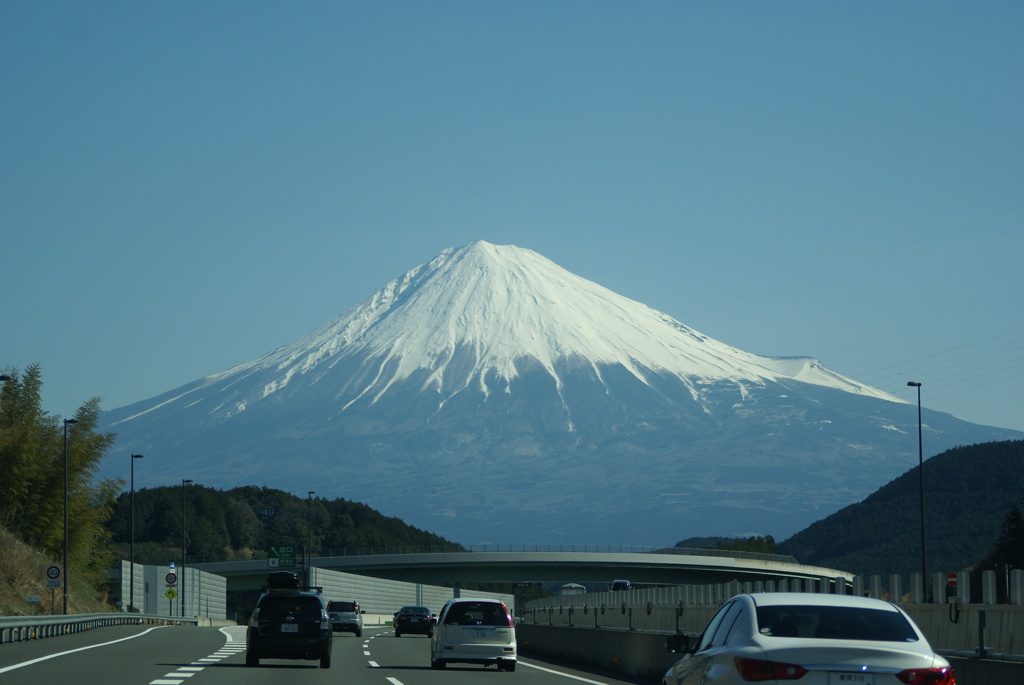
(65, 569)
(309, 537)
(131, 563)
(920, 473)
(181, 585)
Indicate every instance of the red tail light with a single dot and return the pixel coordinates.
(927, 676)
(758, 670)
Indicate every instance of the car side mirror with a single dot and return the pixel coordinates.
(678, 643)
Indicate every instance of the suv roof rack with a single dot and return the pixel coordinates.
(292, 590)
(286, 582)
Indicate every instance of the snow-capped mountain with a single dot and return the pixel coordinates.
(492, 396)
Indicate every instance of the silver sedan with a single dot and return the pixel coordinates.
(812, 639)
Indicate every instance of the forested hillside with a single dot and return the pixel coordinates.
(969, 492)
(233, 524)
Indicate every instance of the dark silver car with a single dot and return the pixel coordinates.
(414, 619)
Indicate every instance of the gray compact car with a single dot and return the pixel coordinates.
(474, 631)
(345, 617)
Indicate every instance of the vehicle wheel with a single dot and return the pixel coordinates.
(510, 666)
(437, 664)
(398, 633)
(252, 658)
(359, 633)
(430, 633)
(325, 661)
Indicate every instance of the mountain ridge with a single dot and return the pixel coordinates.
(587, 417)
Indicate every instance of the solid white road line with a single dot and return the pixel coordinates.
(564, 675)
(5, 669)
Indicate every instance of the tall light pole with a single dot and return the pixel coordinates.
(920, 473)
(131, 566)
(309, 537)
(65, 569)
(181, 585)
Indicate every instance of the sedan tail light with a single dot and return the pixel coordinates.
(927, 676)
(758, 670)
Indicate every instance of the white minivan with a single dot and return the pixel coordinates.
(474, 631)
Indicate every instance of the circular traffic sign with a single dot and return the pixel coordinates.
(53, 572)
(171, 578)
(951, 580)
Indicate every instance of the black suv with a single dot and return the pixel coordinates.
(289, 622)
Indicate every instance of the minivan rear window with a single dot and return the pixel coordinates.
(478, 614)
(348, 607)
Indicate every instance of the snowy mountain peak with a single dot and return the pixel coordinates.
(476, 314)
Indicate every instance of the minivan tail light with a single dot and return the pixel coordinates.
(759, 670)
(927, 676)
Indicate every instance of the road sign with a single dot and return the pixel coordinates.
(951, 580)
(32, 599)
(170, 594)
(171, 578)
(281, 556)
(53, 574)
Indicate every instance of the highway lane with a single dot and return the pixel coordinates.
(146, 655)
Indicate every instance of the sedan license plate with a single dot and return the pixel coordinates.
(851, 679)
(289, 628)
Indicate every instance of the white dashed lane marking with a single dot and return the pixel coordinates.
(235, 645)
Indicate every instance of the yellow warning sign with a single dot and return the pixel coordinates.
(170, 594)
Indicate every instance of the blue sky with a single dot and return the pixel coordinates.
(185, 186)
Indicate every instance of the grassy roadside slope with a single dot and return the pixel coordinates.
(22, 573)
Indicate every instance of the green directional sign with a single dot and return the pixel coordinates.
(281, 556)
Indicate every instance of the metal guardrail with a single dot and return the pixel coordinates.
(464, 549)
(21, 628)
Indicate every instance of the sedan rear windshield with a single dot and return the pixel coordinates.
(834, 623)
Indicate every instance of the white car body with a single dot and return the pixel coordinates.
(474, 631)
(809, 639)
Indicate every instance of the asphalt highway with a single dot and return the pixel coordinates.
(174, 655)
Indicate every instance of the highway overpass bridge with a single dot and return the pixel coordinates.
(667, 566)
